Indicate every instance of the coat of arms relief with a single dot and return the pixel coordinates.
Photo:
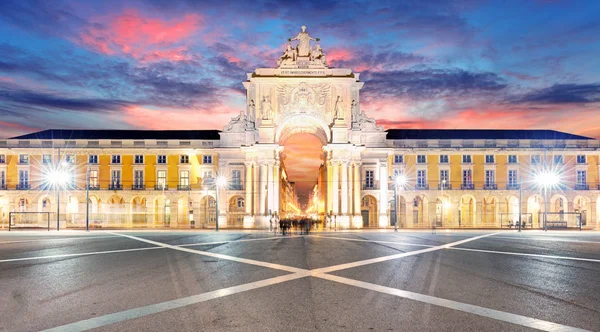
(312, 99)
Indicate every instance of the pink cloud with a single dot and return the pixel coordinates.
(11, 129)
(164, 119)
(143, 38)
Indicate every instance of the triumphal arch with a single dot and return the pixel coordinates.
(367, 177)
(304, 95)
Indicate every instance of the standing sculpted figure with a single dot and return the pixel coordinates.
(267, 111)
(339, 108)
(304, 42)
(354, 108)
(251, 110)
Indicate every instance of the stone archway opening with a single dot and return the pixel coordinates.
(302, 174)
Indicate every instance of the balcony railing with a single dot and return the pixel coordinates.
(513, 186)
(581, 186)
(467, 186)
(490, 186)
(183, 187)
(23, 186)
(93, 187)
(369, 186)
(138, 187)
(422, 186)
(445, 186)
(3, 186)
(115, 186)
(161, 187)
(236, 186)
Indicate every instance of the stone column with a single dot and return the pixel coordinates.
(336, 188)
(357, 219)
(383, 194)
(256, 189)
(248, 219)
(270, 190)
(248, 188)
(329, 179)
(276, 187)
(344, 190)
(350, 194)
(262, 205)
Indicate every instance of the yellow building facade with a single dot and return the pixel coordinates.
(452, 178)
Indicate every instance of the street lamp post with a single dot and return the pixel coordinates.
(57, 177)
(547, 179)
(399, 181)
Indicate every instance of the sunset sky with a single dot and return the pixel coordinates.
(161, 64)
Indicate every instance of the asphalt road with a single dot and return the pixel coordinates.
(332, 281)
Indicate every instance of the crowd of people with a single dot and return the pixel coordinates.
(298, 225)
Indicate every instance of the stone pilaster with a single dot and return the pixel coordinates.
(383, 193)
(336, 188)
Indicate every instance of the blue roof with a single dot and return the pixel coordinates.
(122, 134)
(508, 134)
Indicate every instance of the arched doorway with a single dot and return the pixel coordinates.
(22, 204)
(138, 212)
(162, 211)
(72, 213)
(420, 212)
(581, 205)
(401, 216)
(466, 217)
(116, 214)
(442, 211)
(489, 211)
(236, 211)
(369, 211)
(535, 205)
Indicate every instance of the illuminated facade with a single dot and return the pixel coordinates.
(456, 178)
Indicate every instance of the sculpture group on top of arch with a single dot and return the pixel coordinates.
(303, 55)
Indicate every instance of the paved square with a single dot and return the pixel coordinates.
(330, 281)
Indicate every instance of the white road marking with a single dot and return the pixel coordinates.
(374, 241)
(464, 307)
(318, 273)
(169, 305)
(58, 239)
(395, 256)
(124, 250)
(75, 255)
(232, 241)
(545, 239)
(215, 255)
(529, 255)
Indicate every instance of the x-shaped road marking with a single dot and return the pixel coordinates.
(322, 273)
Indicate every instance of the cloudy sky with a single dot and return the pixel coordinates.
(168, 64)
